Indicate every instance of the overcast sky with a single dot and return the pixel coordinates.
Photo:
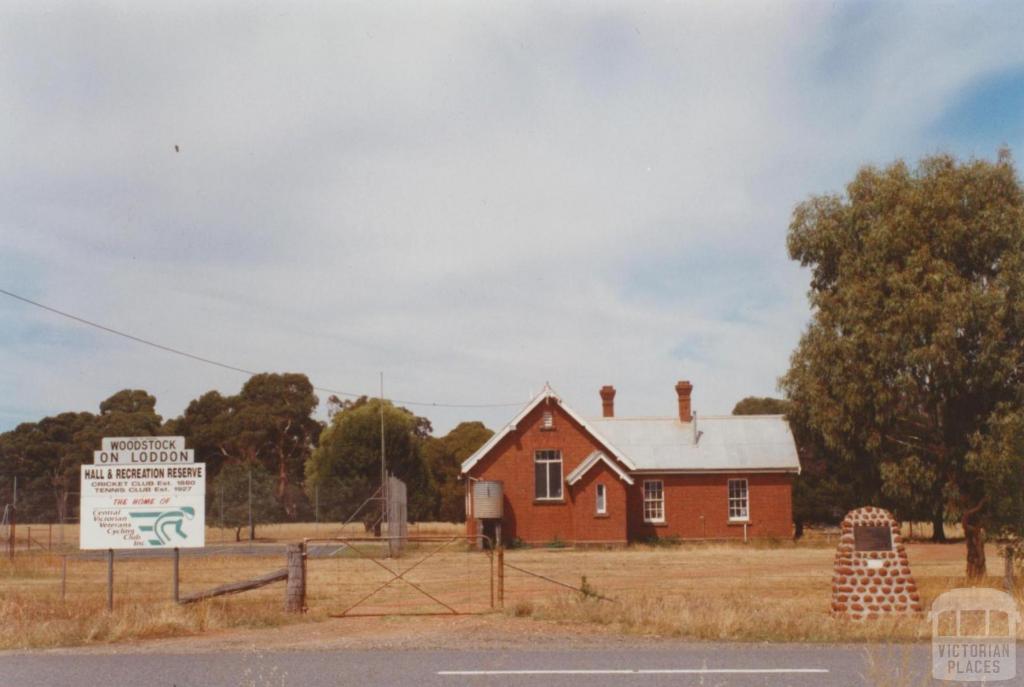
(474, 199)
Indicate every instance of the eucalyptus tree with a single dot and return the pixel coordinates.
(270, 422)
(442, 459)
(346, 465)
(916, 343)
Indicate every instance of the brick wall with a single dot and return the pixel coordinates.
(570, 519)
(573, 518)
(590, 527)
(697, 507)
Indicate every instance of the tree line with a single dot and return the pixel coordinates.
(264, 441)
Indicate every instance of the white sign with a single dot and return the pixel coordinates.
(143, 451)
(143, 493)
(142, 443)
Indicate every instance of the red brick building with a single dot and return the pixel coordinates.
(610, 480)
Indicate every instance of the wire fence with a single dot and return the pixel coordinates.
(224, 509)
(684, 571)
(53, 587)
(435, 573)
(54, 528)
(440, 574)
(54, 506)
(447, 574)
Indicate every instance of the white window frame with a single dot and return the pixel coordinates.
(547, 457)
(601, 500)
(739, 500)
(656, 512)
(547, 421)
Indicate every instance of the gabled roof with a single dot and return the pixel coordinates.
(547, 393)
(728, 443)
(592, 460)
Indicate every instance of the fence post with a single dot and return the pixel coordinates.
(220, 499)
(28, 538)
(1008, 581)
(110, 580)
(252, 525)
(13, 531)
(64, 578)
(501, 576)
(14, 519)
(177, 561)
(295, 588)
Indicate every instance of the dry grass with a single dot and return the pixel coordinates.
(722, 591)
(894, 666)
(308, 530)
(772, 591)
(50, 536)
(34, 615)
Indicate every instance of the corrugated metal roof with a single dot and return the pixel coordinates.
(728, 442)
(731, 442)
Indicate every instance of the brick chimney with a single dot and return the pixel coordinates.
(608, 401)
(683, 391)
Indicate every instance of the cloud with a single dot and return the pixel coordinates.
(474, 200)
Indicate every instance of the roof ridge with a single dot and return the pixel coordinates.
(669, 418)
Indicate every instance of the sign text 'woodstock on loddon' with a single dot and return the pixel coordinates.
(142, 450)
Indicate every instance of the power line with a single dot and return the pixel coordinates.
(235, 368)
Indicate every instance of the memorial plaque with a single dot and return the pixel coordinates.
(872, 575)
(870, 538)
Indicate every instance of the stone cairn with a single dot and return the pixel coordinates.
(871, 573)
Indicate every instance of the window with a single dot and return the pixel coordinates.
(547, 473)
(547, 421)
(602, 500)
(654, 501)
(738, 501)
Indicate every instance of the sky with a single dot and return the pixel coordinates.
(474, 199)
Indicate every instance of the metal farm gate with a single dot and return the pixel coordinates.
(430, 575)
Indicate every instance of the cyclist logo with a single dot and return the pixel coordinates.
(163, 527)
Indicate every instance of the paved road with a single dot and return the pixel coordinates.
(719, 665)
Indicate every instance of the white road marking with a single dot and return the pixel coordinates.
(644, 671)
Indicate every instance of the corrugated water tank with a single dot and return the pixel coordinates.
(487, 499)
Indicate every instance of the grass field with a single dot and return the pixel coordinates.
(43, 537)
(769, 591)
(725, 591)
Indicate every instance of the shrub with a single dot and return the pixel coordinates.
(670, 540)
(556, 543)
